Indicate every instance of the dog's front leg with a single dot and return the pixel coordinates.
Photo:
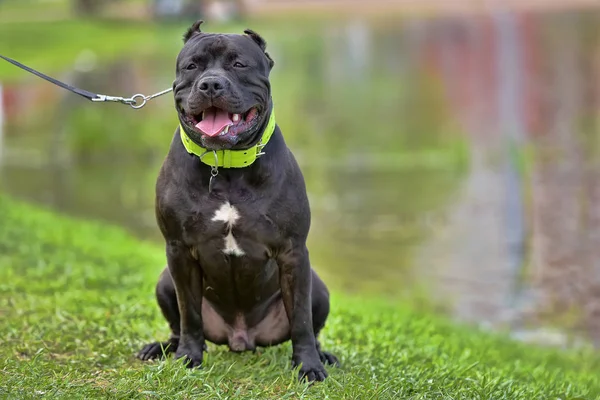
(295, 280)
(187, 279)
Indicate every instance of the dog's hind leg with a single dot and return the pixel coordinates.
(167, 300)
(320, 312)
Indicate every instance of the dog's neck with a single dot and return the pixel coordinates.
(230, 158)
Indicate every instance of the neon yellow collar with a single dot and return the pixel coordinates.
(229, 158)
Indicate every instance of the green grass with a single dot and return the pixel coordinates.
(52, 47)
(76, 303)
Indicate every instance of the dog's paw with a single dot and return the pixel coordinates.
(190, 361)
(310, 369)
(192, 356)
(328, 358)
(154, 350)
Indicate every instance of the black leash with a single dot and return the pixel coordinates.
(136, 101)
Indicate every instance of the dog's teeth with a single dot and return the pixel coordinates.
(236, 117)
(225, 130)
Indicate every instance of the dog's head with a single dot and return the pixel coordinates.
(222, 90)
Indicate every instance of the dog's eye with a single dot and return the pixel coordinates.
(191, 66)
(239, 65)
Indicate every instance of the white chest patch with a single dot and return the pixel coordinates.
(229, 214)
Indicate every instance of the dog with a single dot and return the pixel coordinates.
(232, 206)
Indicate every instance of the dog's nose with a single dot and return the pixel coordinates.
(213, 86)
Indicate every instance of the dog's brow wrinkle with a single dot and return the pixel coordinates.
(217, 47)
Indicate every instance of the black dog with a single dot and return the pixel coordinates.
(231, 204)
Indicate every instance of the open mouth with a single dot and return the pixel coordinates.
(215, 121)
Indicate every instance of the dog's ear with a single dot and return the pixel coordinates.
(193, 30)
(257, 39)
(261, 43)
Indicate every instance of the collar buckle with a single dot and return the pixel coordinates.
(259, 149)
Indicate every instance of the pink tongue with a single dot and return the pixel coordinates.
(214, 121)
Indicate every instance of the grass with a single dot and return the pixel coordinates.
(76, 303)
(55, 46)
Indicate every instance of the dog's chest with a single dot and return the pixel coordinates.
(233, 230)
(228, 216)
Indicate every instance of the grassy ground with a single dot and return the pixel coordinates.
(76, 303)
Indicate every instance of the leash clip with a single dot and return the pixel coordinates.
(103, 98)
(136, 101)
